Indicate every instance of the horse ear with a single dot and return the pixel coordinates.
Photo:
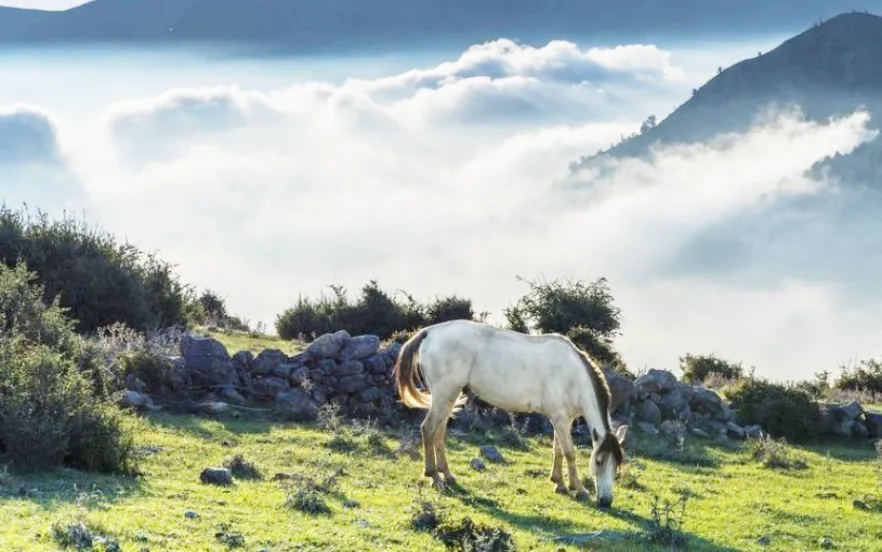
(621, 433)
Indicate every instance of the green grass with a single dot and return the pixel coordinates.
(236, 341)
(732, 500)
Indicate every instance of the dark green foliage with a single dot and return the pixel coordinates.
(210, 309)
(560, 307)
(375, 312)
(50, 412)
(776, 454)
(696, 368)
(782, 410)
(97, 279)
(817, 388)
(468, 536)
(242, 468)
(667, 523)
(865, 377)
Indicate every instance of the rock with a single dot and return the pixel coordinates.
(477, 464)
(860, 504)
(296, 405)
(673, 429)
(207, 361)
(269, 386)
(242, 361)
(647, 428)
(724, 414)
(851, 411)
(656, 381)
(700, 433)
(734, 431)
(706, 401)
(134, 399)
(370, 395)
(348, 368)
(216, 476)
(763, 540)
(672, 404)
(825, 542)
(229, 394)
(874, 424)
(298, 376)
(178, 378)
(267, 361)
(283, 371)
(360, 347)
(328, 345)
(753, 432)
(492, 454)
(375, 365)
(190, 514)
(844, 427)
(860, 430)
(353, 384)
(686, 390)
(213, 407)
(649, 412)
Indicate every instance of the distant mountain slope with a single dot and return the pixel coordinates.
(828, 70)
(15, 20)
(330, 23)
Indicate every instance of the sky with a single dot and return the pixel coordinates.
(263, 180)
(42, 4)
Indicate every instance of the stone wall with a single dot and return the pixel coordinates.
(355, 375)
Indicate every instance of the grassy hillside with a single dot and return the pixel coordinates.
(732, 501)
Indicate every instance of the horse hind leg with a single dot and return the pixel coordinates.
(427, 430)
(434, 431)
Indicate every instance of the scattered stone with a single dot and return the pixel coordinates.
(826, 542)
(350, 503)
(492, 454)
(190, 514)
(216, 476)
(763, 540)
(647, 428)
(477, 464)
(860, 505)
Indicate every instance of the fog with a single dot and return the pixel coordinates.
(431, 172)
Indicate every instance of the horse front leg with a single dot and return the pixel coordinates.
(569, 451)
(557, 466)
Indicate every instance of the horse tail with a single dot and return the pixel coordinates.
(406, 372)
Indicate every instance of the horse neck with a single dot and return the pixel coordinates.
(596, 417)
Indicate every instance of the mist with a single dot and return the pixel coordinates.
(435, 172)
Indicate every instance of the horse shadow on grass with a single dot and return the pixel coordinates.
(567, 531)
(211, 428)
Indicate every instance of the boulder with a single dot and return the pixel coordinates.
(348, 368)
(231, 395)
(206, 361)
(656, 381)
(296, 405)
(283, 370)
(298, 376)
(672, 404)
(647, 428)
(874, 424)
(242, 361)
(735, 431)
(860, 429)
(673, 428)
(328, 345)
(216, 476)
(649, 412)
(267, 361)
(850, 411)
(706, 401)
(375, 364)
(269, 386)
(359, 347)
(353, 384)
(134, 399)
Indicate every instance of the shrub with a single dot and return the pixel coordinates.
(697, 368)
(210, 309)
(782, 410)
(49, 411)
(375, 312)
(98, 280)
(776, 454)
(865, 377)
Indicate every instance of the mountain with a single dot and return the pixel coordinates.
(323, 24)
(828, 70)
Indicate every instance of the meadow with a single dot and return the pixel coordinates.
(343, 487)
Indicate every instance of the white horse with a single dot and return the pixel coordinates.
(516, 372)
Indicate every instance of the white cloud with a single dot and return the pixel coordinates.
(27, 135)
(419, 181)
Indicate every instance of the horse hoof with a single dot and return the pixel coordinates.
(561, 490)
(582, 495)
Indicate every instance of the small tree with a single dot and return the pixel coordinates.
(648, 124)
(696, 368)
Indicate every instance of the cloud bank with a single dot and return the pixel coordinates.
(440, 180)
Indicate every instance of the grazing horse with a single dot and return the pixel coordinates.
(545, 374)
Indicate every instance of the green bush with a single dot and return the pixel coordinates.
(697, 368)
(98, 280)
(560, 307)
(375, 312)
(782, 410)
(50, 413)
(866, 377)
(210, 309)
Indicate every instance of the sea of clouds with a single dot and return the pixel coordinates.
(444, 179)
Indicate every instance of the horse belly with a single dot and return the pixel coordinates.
(512, 394)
